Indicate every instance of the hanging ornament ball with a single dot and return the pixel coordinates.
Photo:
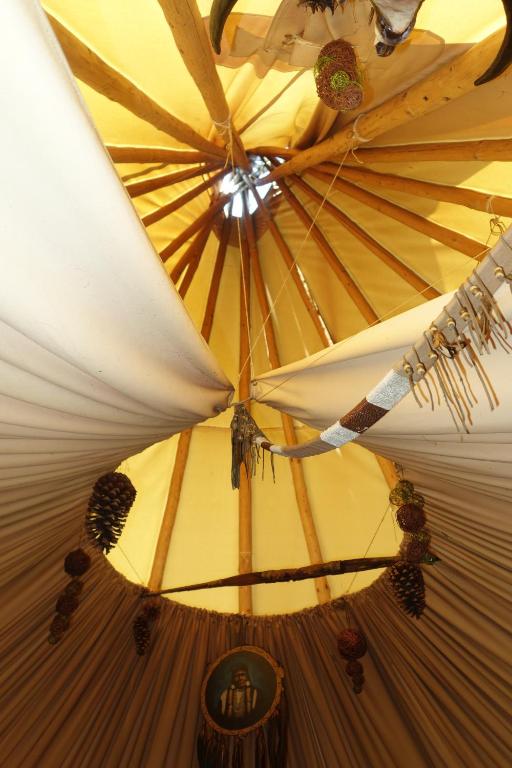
(402, 493)
(358, 689)
(58, 626)
(337, 76)
(354, 668)
(74, 588)
(66, 605)
(411, 518)
(151, 610)
(77, 563)
(352, 643)
(111, 500)
(416, 546)
(358, 681)
(409, 587)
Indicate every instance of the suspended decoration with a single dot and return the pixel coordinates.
(409, 587)
(111, 500)
(76, 564)
(394, 22)
(352, 647)
(244, 448)
(243, 709)
(337, 77)
(440, 368)
(143, 625)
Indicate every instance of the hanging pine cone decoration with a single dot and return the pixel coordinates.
(411, 518)
(58, 626)
(337, 77)
(66, 604)
(77, 563)
(74, 588)
(143, 625)
(110, 502)
(352, 646)
(409, 587)
(141, 634)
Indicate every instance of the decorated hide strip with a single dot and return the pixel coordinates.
(442, 367)
(394, 22)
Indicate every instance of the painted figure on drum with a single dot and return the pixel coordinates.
(241, 697)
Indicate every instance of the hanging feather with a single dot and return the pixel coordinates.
(109, 504)
(244, 448)
(321, 5)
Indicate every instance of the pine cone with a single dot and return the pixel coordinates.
(110, 502)
(354, 668)
(66, 605)
(151, 610)
(141, 634)
(77, 563)
(409, 587)
(352, 643)
(74, 588)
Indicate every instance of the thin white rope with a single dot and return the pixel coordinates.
(287, 276)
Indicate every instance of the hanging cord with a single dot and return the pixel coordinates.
(225, 127)
(287, 276)
(379, 524)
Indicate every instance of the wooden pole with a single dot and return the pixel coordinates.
(211, 302)
(299, 484)
(485, 150)
(376, 248)
(272, 101)
(280, 575)
(170, 511)
(127, 154)
(186, 258)
(193, 43)
(337, 267)
(180, 462)
(305, 294)
(137, 188)
(196, 225)
(179, 202)
(455, 240)
(193, 264)
(470, 198)
(244, 391)
(93, 70)
(450, 81)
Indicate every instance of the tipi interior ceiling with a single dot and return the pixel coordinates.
(369, 215)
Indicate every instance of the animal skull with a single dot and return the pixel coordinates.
(394, 23)
(395, 20)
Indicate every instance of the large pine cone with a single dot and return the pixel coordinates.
(409, 587)
(141, 634)
(110, 502)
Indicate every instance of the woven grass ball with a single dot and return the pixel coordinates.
(352, 643)
(402, 493)
(411, 518)
(74, 587)
(416, 547)
(337, 77)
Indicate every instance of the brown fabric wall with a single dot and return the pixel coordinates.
(437, 691)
